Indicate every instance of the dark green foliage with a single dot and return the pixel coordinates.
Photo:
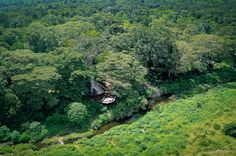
(230, 129)
(156, 50)
(41, 39)
(50, 50)
(12, 39)
(37, 88)
(5, 134)
(52, 19)
(56, 118)
(11, 105)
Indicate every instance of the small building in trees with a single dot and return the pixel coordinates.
(99, 92)
(97, 88)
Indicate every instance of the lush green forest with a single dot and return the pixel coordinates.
(139, 52)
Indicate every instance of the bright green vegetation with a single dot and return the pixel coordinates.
(195, 125)
(187, 126)
(77, 112)
(51, 51)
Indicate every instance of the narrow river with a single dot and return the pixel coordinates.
(133, 117)
(106, 127)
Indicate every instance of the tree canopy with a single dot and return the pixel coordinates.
(137, 49)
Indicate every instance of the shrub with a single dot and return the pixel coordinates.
(24, 138)
(230, 129)
(37, 131)
(77, 112)
(5, 134)
(96, 124)
(15, 137)
(102, 119)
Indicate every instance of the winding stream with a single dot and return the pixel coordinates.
(133, 117)
(104, 128)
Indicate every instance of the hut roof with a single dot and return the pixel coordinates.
(97, 88)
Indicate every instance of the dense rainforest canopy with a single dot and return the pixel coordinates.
(50, 50)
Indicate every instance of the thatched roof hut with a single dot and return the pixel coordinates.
(100, 91)
(97, 88)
